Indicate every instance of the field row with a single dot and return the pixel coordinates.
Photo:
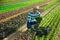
(53, 2)
(51, 20)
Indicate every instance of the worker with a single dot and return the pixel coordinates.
(31, 17)
(31, 20)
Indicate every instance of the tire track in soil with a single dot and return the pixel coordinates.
(5, 15)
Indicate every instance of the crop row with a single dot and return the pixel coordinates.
(53, 2)
(52, 20)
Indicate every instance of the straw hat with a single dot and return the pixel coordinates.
(36, 7)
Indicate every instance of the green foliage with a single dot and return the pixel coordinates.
(53, 2)
(38, 19)
(52, 19)
(13, 6)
